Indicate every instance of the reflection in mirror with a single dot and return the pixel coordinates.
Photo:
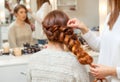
(7, 17)
(9, 6)
(87, 11)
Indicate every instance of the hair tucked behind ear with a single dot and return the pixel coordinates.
(54, 25)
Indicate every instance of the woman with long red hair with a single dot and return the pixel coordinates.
(55, 64)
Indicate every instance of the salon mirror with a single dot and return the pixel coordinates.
(7, 16)
(85, 10)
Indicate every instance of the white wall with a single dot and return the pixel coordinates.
(87, 11)
(54, 4)
(103, 11)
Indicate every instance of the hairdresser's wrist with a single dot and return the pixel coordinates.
(84, 29)
(113, 71)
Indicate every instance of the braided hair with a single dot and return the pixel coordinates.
(55, 27)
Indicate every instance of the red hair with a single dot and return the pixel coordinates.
(55, 27)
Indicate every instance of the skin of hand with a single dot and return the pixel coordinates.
(75, 23)
(101, 71)
(29, 10)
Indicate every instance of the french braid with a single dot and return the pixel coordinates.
(57, 31)
(66, 36)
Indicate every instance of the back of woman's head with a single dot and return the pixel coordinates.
(55, 27)
(56, 17)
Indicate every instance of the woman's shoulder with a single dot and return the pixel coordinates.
(58, 54)
(28, 25)
(12, 25)
(55, 53)
(58, 57)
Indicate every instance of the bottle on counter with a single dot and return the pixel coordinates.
(6, 48)
(17, 51)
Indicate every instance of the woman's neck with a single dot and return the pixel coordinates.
(56, 46)
(20, 22)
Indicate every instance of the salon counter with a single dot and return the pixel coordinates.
(13, 69)
(6, 60)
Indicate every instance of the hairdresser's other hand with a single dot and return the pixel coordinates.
(101, 71)
(29, 10)
(75, 23)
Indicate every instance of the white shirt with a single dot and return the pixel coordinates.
(52, 65)
(109, 46)
(39, 16)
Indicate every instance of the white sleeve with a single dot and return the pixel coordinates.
(35, 17)
(79, 71)
(92, 40)
(46, 8)
(42, 12)
(118, 72)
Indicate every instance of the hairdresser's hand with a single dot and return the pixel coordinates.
(29, 10)
(101, 71)
(75, 23)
